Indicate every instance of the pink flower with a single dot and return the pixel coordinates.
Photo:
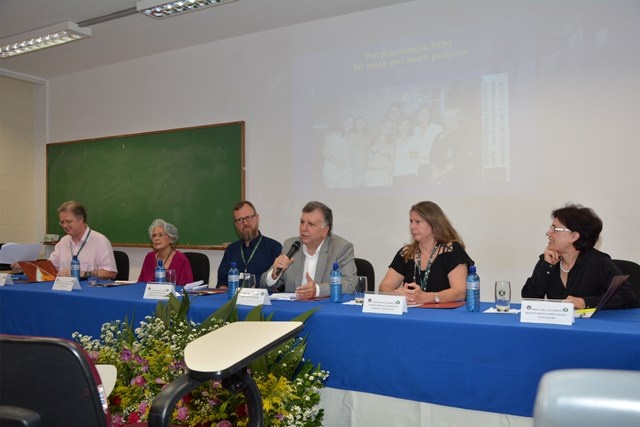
(143, 407)
(160, 381)
(139, 381)
(117, 420)
(183, 413)
(125, 355)
(224, 423)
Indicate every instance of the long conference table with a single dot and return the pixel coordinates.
(476, 361)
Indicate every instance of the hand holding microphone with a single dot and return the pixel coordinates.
(292, 250)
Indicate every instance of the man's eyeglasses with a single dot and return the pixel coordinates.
(553, 229)
(67, 222)
(153, 236)
(244, 219)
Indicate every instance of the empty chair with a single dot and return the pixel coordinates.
(199, 266)
(633, 270)
(588, 398)
(122, 263)
(49, 382)
(364, 268)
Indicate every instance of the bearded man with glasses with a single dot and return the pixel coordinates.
(254, 252)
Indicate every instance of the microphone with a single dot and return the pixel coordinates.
(292, 250)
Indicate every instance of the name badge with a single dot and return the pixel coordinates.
(384, 304)
(5, 279)
(253, 297)
(546, 311)
(158, 290)
(66, 284)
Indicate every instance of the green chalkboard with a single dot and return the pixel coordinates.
(189, 177)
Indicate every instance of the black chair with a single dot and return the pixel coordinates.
(122, 263)
(364, 268)
(199, 266)
(49, 382)
(633, 270)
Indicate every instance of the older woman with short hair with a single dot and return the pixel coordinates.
(571, 268)
(163, 237)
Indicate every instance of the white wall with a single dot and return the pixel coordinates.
(574, 80)
(19, 110)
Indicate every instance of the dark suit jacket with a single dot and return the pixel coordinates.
(334, 249)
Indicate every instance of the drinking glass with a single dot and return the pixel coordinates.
(92, 275)
(248, 280)
(360, 289)
(171, 277)
(503, 295)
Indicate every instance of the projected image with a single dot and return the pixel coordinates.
(449, 132)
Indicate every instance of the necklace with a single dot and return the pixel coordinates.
(166, 259)
(423, 282)
(562, 268)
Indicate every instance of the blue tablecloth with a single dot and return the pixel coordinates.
(488, 362)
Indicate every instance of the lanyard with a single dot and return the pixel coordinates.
(423, 282)
(246, 263)
(84, 242)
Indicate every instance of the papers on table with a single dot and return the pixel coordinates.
(284, 296)
(195, 286)
(13, 252)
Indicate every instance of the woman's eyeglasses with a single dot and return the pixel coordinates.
(553, 229)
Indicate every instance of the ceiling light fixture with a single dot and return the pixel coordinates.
(42, 38)
(160, 9)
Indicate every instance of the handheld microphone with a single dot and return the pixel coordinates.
(292, 250)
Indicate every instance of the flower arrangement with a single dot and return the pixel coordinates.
(150, 356)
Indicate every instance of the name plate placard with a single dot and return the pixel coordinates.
(384, 304)
(253, 297)
(5, 279)
(155, 290)
(66, 284)
(546, 311)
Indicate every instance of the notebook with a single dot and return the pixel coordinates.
(616, 282)
(39, 271)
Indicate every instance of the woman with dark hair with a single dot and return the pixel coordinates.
(571, 268)
(433, 268)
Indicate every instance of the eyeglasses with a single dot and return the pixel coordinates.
(153, 236)
(244, 219)
(553, 229)
(67, 222)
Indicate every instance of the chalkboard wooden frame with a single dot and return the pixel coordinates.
(190, 177)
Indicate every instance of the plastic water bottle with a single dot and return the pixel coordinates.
(233, 280)
(160, 273)
(335, 283)
(75, 267)
(473, 290)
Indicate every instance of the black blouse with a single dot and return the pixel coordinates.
(438, 280)
(588, 279)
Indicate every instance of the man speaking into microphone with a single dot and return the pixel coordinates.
(306, 270)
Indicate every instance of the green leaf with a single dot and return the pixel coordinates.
(255, 315)
(226, 313)
(302, 317)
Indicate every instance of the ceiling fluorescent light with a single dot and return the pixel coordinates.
(160, 9)
(42, 38)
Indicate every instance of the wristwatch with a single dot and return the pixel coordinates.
(436, 298)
